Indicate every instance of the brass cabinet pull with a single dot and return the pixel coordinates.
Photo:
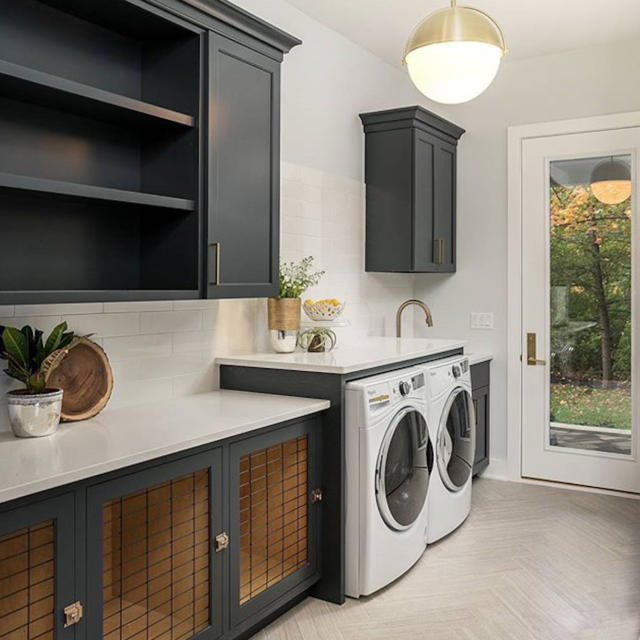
(73, 614)
(216, 280)
(316, 496)
(475, 410)
(439, 251)
(222, 542)
(531, 351)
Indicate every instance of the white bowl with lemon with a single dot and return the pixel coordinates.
(323, 310)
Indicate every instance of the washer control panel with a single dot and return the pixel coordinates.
(385, 394)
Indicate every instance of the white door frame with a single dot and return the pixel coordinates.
(516, 136)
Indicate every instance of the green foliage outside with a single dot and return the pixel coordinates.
(573, 404)
(590, 309)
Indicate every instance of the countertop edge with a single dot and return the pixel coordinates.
(245, 360)
(95, 470)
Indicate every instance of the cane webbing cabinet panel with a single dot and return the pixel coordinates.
(36, 570)
(156, 561)
(274, 522)
(26, 583)
(273, 515)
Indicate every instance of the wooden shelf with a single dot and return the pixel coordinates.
(45, 90)
(72, 191)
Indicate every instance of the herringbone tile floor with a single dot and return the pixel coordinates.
(530, 563)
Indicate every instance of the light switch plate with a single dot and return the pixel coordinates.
(481, 320)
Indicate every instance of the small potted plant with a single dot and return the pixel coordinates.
(284, 311)
(35, 410)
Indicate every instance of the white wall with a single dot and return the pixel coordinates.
(165, 349)
(581, 83)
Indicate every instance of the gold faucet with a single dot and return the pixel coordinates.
(408, 303)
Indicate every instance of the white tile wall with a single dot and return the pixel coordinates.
(164, 349)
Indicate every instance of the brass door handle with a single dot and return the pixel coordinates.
(216, 280)
(439, 251)
(532, 360)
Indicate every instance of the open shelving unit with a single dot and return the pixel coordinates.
(100, 152)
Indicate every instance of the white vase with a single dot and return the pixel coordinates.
(34, 415)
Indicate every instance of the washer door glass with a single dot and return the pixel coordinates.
(456, 440)
(404, 468)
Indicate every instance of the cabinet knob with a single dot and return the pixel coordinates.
(73, 614)
(222, 542)
(316, 496)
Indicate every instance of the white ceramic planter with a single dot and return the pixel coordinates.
(34, 415)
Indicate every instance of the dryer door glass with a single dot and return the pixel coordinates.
(404, 467)
(456, 440)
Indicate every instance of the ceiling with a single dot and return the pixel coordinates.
(531, 27)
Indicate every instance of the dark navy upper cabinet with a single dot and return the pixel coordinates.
(411, 191)
(139, 150)
(243, 174)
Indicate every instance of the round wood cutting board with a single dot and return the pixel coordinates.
(86, 378)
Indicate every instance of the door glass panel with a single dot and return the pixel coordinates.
(156, 561)
(273, 515)
(456, 447)
(590, 310)
(27, 583)
(406, 470)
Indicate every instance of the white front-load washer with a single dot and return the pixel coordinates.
(451, 419)
(389, 466)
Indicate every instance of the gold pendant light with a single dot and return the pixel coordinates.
(454, 54)
(611, 182)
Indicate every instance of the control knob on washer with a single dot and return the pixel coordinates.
(456, 371)
(405, 388)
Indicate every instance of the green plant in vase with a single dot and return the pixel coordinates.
(35, 410)
(284, 311)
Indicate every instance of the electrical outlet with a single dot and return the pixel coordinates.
(481, 320)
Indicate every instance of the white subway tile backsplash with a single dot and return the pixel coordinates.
(59, 309)
(132, 307)
(195, 341)
(133, 393)
(44, 323)
(105, 325)
(138, 346)
(292, 190)
(170, 321)
(7, 311)
(186, 305)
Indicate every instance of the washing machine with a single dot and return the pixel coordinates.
(389, 467)
(452, 423)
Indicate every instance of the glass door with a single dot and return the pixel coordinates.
(579, 311)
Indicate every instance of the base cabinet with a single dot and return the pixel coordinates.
(480, 376)
(152, 569)
(37, 570)
(274, 518)
(209, 545)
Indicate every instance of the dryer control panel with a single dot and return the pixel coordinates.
(441, 376)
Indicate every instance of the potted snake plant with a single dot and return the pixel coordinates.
(284, 311)
(35, 410)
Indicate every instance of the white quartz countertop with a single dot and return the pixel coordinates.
(349, 357)
(122, 437)
(477, 358)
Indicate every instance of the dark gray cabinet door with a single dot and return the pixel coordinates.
(243, 172)
(411, 191)
(480, 381)
(152, 568)
(274, 519)
(37, 570)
